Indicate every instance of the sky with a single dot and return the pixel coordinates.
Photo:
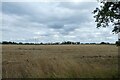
(52, 22)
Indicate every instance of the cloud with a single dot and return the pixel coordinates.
(79, 5)
(51, 22)
(75, 1)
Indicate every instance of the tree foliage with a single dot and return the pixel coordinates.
(109, 12)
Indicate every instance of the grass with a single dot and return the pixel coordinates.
(59, 61)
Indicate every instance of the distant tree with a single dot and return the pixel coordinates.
(92, 43)
(14, 43)
(118, 42)
(20, 43)
(102, 43)
(57, 43)
(107, 43)
(5, 42)
(86, 43)
(10, 42)
(69, 42)
(27, 43)
(41, 43)
(109, 12)
(78, 42)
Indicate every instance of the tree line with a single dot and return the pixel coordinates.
(59, 43)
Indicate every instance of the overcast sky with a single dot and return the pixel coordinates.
(52, 22)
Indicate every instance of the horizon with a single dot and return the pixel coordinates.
(59, 42)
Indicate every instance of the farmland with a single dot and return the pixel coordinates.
(59, 61)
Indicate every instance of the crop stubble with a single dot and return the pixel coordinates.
(59, 61)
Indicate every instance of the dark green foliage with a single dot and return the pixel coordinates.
(104, 43)
(69, 42)
(5, 42)
(118, 42)
(56, 43)
(109, 12)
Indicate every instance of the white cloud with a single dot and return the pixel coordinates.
(75, 1)
(51, 22)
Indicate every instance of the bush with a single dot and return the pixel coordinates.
(118, 43)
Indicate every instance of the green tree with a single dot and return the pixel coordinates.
(108, 13)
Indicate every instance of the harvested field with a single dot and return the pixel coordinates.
(59, 61)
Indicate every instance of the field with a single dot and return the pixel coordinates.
(59, 61)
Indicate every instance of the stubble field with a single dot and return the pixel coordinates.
(59, 61)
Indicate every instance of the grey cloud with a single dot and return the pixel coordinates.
(56, 25)
(78, 6)
(45, 15)
(14, 8)
(51, 22)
